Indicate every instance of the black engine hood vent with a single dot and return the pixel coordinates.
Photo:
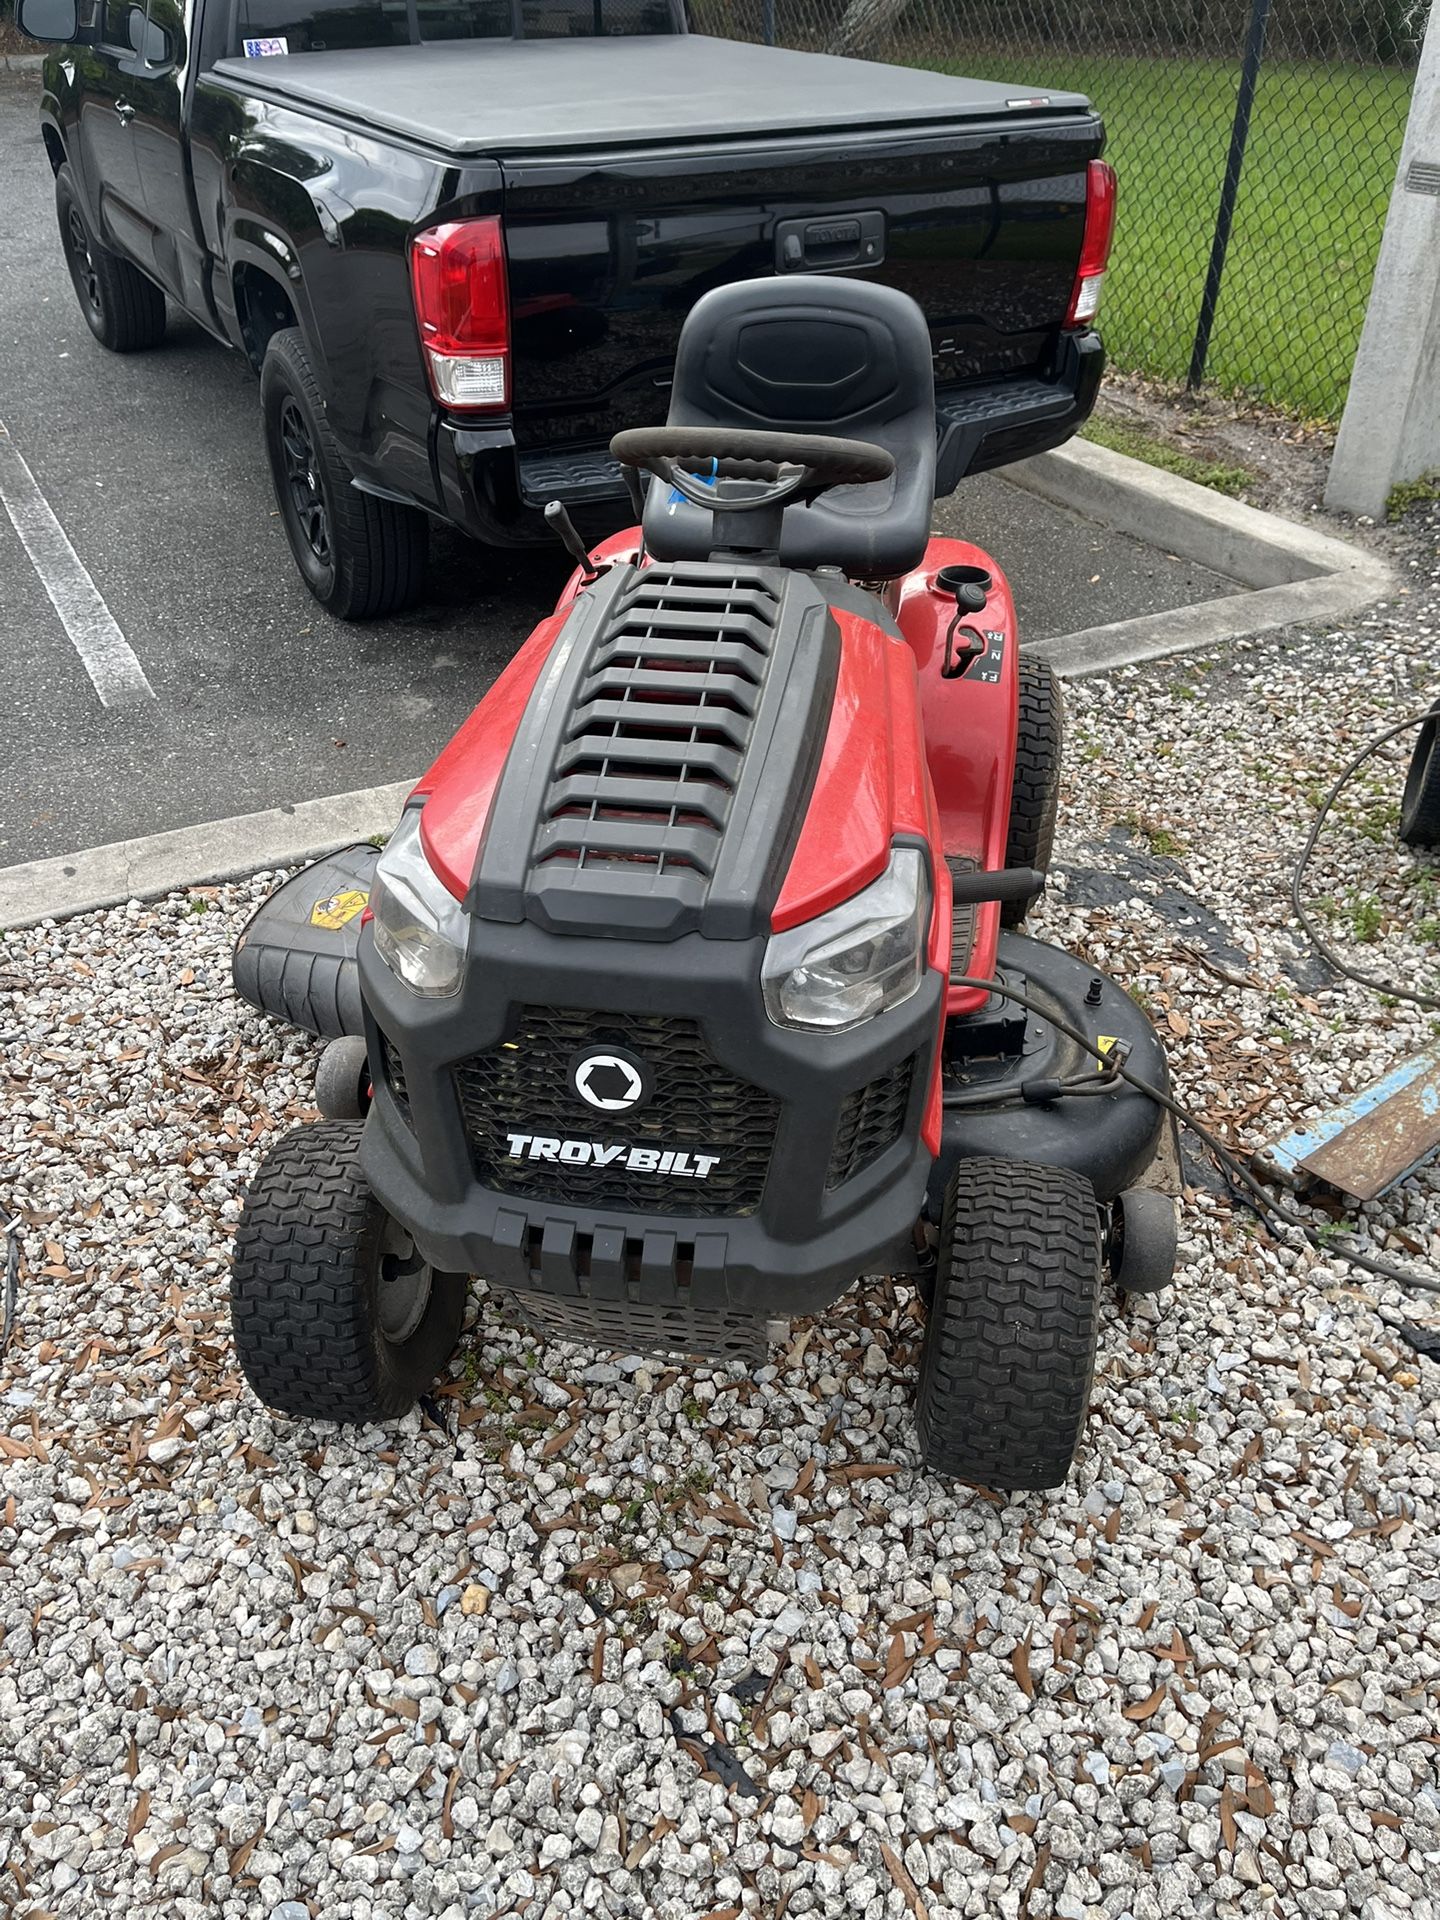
(660, 773)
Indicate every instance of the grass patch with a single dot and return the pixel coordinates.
(1324, 143)
(1366, 920)
(1412, 493)
(1156, 452)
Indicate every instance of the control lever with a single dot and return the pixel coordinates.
(557, 518)
(969, 587)
(1002, 883)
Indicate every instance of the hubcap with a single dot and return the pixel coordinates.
(404, 1284)
(307, 499)
(82, 264)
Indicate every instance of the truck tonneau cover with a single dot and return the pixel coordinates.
(532, 96)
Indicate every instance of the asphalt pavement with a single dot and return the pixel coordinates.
(152, 466)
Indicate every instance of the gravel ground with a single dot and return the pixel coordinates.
(615, 1637)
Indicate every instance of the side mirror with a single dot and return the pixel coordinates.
(48, 19)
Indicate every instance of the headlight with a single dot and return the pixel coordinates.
(420, 929)
(857, 960)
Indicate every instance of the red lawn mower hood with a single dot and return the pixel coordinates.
(711, 746)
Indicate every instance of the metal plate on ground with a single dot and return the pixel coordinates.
(1371, 1141)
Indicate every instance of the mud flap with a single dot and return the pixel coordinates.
(295, 959)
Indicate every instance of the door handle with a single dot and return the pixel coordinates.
(124, 111)
(829, 242)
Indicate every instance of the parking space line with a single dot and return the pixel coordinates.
(104, 651)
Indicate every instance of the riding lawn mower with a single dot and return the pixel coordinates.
(689, 989)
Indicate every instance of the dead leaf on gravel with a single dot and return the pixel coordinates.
(561, 1438)
(1020, 1661)
(903, 1881)
(1142, 1709)
(239, 1856)
(139, 1814)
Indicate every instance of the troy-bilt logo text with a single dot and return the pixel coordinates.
(594, 1153)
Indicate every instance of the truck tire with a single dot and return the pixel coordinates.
(1009, 1349)
(334, 1314)
(124, 310)
(1035, 794)
(1420, 804)
(360, 557)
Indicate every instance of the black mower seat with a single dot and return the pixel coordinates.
(812, 354)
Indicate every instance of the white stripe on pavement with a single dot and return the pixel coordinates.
(103, 649)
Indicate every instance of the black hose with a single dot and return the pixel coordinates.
(1254, 1195)
(1317, 940)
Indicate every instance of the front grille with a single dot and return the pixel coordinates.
(635, 1326)
(648, 766)
(872, 1118)
(523, 1086)
(393, 1068)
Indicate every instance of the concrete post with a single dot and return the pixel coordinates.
(1390, 431)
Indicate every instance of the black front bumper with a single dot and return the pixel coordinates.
(821, 1170)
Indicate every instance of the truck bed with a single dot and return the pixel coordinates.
(500, 97)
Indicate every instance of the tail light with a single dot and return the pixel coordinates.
(1095, 247)
(462, 303)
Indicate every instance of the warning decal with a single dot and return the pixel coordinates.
(339, 909)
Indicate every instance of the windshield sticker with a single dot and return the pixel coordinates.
(258, 49)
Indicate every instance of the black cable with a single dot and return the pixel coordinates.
(1317, 940)
(1259, 1200)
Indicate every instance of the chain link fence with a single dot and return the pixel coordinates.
(1285, 115)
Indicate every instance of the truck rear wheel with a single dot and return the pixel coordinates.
(124, 310)
(1009, 1349)
(1035, 794)
(361, 557)
(335, 1315)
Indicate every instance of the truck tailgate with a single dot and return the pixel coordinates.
(980, 222)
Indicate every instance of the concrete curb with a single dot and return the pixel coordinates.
(21, 62)
(1292, 572)
(159, 863)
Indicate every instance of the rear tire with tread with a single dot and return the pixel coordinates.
(124, 310)
(360, 556)
(306, 1286)
(1009, 1351)
(1035, 794)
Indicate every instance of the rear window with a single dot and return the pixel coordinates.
(321, 26)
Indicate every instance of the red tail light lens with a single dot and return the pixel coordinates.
(462, 302)
(1095, 247)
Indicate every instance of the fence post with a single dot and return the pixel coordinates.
(1229, 187)
(767, 22)
(1390, 430)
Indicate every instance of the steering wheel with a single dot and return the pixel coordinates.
(782, 466)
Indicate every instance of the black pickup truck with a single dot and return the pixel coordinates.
(457, 238)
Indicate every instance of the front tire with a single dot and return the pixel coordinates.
(361, 557)
(124, 310)
(1009, 1351)
(335, 1316)
(1035, 793)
